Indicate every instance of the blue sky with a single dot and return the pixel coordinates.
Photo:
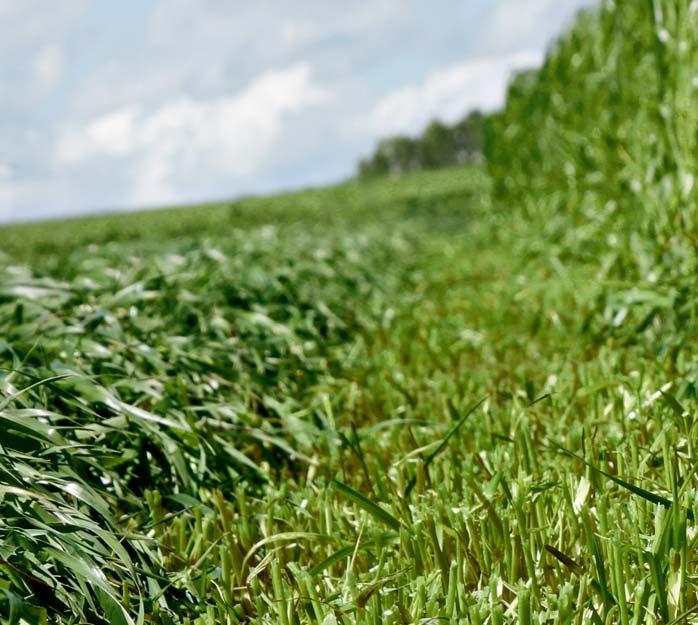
(139, 103)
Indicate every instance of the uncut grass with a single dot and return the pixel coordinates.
(605, 133)
(45, 245)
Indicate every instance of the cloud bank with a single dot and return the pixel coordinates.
(448, 92)
(225, 136)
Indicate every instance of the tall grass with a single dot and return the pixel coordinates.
(612, 116)
(595, 153)
(598, 150)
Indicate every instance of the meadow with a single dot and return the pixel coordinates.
(460, 396)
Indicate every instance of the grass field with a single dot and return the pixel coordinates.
(422, 417)
(460, 396)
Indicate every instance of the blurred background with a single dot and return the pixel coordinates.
(112, 106)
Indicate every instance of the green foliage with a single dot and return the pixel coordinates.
(607, 131)
(166, 372)
(461, 443)
(46, 244)
(143, 375)
(438, 146)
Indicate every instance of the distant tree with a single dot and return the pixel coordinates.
(469, 137)
(401, 153)
(373, 167)
(439, 145)
(394, 155)
(436, 146)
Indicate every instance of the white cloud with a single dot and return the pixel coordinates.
(516, 25)
(296, 33)
(513, 19)
(515, 37)
(172, 145)
(112, 134)
(48, 66)
(448, 93)
(6, 172)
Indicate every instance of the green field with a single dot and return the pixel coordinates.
(459, 396)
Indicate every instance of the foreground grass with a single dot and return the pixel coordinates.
(443, 413)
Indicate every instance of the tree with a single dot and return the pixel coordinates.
(438, 146)
(469, 137)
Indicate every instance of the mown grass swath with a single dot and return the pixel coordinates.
(272, 417)
(159, 374)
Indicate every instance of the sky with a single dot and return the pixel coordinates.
(140, 103)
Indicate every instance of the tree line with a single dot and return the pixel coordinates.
(439, 145)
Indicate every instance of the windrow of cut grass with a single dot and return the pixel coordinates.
(147, 377)
(162, 372)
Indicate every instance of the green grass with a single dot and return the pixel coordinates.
(342, 205)
(410, 401)
(422, 417)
